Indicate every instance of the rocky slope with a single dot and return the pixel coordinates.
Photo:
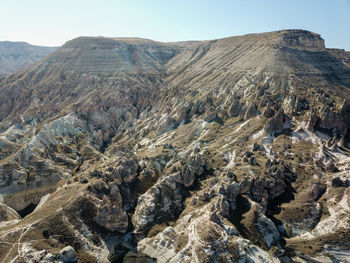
(130, 150)
(14, 56)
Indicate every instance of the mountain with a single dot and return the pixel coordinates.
(131, 150)
(15, 56)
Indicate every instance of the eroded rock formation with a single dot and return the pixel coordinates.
(130, 150)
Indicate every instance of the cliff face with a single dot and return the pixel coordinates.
(228, 150)
(302, 39)
(343, 55)
(17, 55)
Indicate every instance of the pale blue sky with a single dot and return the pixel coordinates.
(53, 22)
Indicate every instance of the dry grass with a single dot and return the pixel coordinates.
(181, 241)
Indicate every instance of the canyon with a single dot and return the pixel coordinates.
(132, 150)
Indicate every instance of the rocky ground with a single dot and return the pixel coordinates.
(130, 150)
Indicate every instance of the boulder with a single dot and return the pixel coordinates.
(195, 166)
(293, 104)
(276, 123)
(67, 255)
(332, 121)
(188, 175)
(230, 192)
(268, 230)
(163, 200)
(268, 112)
(111, 217)
(126, 170)
(235, 108)
(251, 112)
(311, 122)
(210, 115)
(273, 185)
(256, 147)
(341, 181)
(317, 190)
(108, 206)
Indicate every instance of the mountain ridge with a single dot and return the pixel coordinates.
(226, 150)
(17, 55)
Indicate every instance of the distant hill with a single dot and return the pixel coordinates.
(17, 55)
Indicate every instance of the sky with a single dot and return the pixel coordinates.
(53, 22)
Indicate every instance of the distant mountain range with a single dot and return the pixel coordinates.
(17, 55)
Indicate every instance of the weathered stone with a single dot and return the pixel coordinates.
(251, 112)
(268, 112)
(340, 182)
(67, 255)
(234, 108)
(210, 115)
(163, 200)
(268, 231)
(98, 107)
(276, 123)
(331, 167)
